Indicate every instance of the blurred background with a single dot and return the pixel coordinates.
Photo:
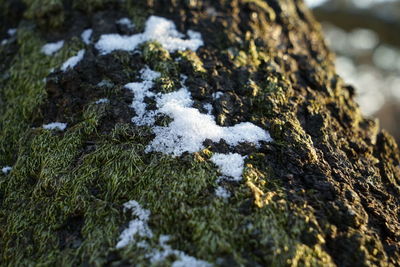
(365, 35)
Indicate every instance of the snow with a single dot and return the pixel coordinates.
(156, 29)
(183, 260)
(50, 48)
(86, 35)
(222, 192)
(102, 101)
(11, 32)
(140, 91)
(6, 169)
(137, 227)
(217, 95)
(55, 126)
(189, 128)
(73, 61)
(127, 22)
(208, 107)
(230, 165)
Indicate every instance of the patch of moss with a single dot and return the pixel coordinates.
(47, 13)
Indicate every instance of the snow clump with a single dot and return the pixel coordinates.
(156, 29)
(55, 126)
(73, 61)
(50, 48)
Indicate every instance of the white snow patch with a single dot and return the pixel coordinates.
(86, 35)
(141, 90)
(222, 192)
(126, 22)
(50, 48)
(55, 126)
(102, 101)
(137, 227)
(6, 169)
(230, 165)
(73, 61)
(11, 32)
(156, 29)
(189, 128)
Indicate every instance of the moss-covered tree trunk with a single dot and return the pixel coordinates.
(324, 192)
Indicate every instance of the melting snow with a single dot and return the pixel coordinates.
(6, 169)
(50, 48)
(137, 227)
(230, 165)
(156, 29)
(72, 61)
(86, 35)
(55, 126)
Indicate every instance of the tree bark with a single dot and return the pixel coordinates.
(325, 191)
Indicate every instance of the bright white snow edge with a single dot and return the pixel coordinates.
(156, 29)
(50, 48)
(73, 61)
(55, 126)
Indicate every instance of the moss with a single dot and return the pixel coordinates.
(48, 13)
(24, 89)
(89, 6)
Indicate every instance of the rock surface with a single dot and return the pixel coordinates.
(324, 192)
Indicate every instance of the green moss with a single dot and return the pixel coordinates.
(47, 13)
(63, 199)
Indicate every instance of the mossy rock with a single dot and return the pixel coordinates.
(324, 192)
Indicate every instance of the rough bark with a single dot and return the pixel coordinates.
(324, 192)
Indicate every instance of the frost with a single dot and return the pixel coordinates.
(222, 192)
(230, 165)
(137, 227)
(86, 35)
(72, 61)
(50, 48)
(126, 22)
(102, 101)
(6, 169)
(55, 126)
(156, 29)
